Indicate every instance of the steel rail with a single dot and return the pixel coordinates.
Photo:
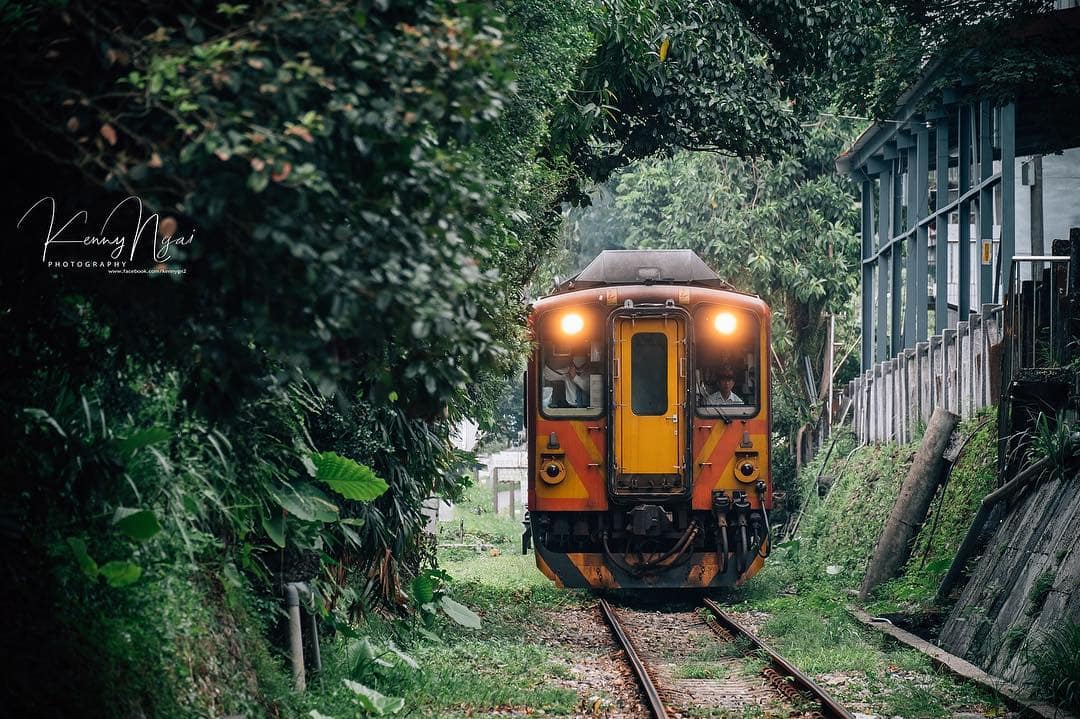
(642, 674)
(829, 706)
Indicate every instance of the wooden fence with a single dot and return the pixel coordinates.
(958, 369)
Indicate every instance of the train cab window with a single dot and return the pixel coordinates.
(727, 364)
(571, 364)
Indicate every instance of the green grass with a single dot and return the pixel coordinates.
(812, 628)
(701, 670)
(475, 523)
(503, 665)
(1055, 659)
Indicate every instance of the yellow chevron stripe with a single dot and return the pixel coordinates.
(710, 444)
(586, 442)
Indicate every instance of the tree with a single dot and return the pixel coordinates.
(729, 76)
(783, 229)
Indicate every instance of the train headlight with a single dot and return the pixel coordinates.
(747, 467)
(572, 323)
(725, 323)
(553, 471)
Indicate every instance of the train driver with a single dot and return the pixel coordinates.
(725, 394)
(575, 380)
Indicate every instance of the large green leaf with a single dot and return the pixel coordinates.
(296, 505)
(423, 589)
(306, 502)
(460, 613)
(139, 524)
(86, 562)
(121, 573)
(141, 438)
(404, 657)
(373, 701)
(275, 528)
(347, 477)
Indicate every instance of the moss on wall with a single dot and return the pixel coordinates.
(839, 529)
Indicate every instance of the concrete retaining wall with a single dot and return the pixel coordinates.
(999, 616)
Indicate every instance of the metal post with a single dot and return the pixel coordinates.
(896, 309)
(922, 236)
(1008, 195)
(941, 227)
(963, 292)
(986, 205)
(884, 205)
(296, 641)
(912, 300)
(867, 274)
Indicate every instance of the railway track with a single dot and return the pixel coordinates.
(690, 663)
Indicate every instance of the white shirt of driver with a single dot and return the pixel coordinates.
(577, 388)
(716, 398)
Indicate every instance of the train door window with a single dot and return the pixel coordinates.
(727, 363)
(571, 362)
(648, 373)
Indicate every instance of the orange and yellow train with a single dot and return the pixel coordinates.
(647, 404)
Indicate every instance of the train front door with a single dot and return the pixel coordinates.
(649, 418)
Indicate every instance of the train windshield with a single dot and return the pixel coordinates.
(727, 363)
(571, 369)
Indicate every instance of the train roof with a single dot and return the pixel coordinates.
(636, 267)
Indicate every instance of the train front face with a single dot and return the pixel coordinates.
(648, 432)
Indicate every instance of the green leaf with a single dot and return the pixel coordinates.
(352, 536)
(294, 504)
(407, 659)
(43, 416)
(316, 714)
(423, 589)
(460, 613)
(121, 574)
(141, 438)
(365, 650)
(372, 701)
(86, 562)
(139, 524)
(258, 181)
(347, 477)
(324, 509)
(275, 529)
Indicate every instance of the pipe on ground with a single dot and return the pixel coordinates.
(296, 639)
